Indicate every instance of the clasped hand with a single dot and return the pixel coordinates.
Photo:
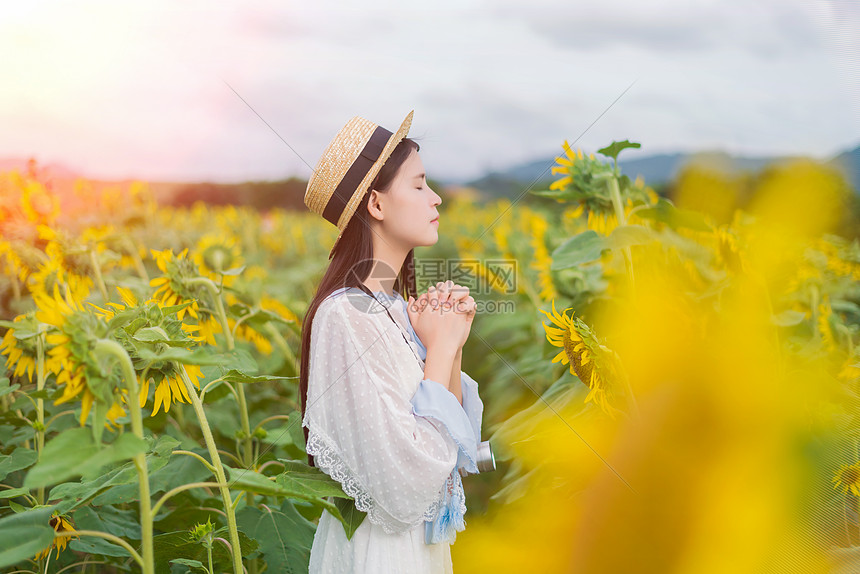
(443, 315)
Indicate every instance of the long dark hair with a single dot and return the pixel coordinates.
(352, 262)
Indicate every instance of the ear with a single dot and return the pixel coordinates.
(374, 204)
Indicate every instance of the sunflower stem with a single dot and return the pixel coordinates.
(16, 288)
(98, 272)
(135, 257)
(813, 304)
(284, 347)
(219, 470)
(112, 348)
(247, 446)
(40, 405)
(615, 194)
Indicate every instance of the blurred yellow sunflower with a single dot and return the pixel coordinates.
(63, 268)
(60, 523)
(579, 348)
(11, 263)
(20, 355)
(848, 478)
(728, 250)
(825, 328)
(216, 254)
(38, 203)
(564, 166)
(170, 287)
(271, 304)
(542, 261)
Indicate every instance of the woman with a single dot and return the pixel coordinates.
(386, 410)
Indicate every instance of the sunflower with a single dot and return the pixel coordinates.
(63, 267)
(825, 328)
(69, 346)
(60, 523)
(170, 388)
(728, 250)
(38, 203)
(216, 255)
(171, 288)
(12, 264)
(542, 261)
(580, 348)
(21, 354)
(271, 304)
(565, 165)
(848, 478)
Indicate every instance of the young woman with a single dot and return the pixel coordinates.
(386, 410)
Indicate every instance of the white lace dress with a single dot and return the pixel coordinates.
(395, 441)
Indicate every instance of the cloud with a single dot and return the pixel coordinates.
(141, 90)
(762, 29)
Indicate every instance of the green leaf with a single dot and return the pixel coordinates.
(171, 309)
(307, 482)
(150, 335)
(173, 545)
(241, 360)
(665, 212)
(86, 518)
(17, 508)
(285, 536)
(237, 376)
(190, 563)
(184, 356)
(25, 534)
(73, 452)
(13, 493)
(19, 459)
(613, 149)
(233, 271)
(627, 235)
(122, 319)
(5, 388)
(352, 516)
(566, 194)
(74, 494)
(579, 249)
(179, 470)
(788, 318)
(251, 481)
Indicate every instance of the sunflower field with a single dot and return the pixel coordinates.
(669, 385)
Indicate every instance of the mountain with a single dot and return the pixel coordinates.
(656, 170)
(848, 162)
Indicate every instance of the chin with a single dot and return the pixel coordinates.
(430, 240)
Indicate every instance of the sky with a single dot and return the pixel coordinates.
(165, 90)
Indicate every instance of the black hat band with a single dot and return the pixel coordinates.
(355, 174)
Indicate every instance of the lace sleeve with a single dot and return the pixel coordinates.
(361, 428)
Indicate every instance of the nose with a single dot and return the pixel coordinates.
(437, 198)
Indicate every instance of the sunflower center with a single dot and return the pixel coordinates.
(575, 357)
(850, 475)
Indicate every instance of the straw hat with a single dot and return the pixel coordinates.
(347, 167)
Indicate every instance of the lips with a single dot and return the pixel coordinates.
(437, 219)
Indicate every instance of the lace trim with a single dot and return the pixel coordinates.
(329, 461)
